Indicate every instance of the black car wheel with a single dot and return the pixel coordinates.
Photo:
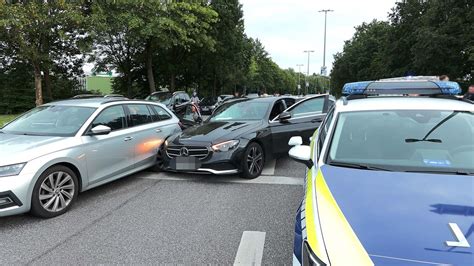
(253, 161)
(158, 167)
(54, 192)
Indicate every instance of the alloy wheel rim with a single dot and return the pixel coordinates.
(255, 160)
(56, 191)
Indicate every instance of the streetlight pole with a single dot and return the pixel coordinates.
(299, 80)
(323, 68)
(307, 72)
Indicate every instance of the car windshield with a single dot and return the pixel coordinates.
(240, 110)
(50, 120)
(163, 98)
(405, 140)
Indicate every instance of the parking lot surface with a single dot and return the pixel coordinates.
(167, 218)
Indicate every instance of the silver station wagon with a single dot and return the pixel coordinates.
(51, 153)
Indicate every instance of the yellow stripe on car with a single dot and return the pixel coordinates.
(310, 224)
(313, 230)
(342, 244)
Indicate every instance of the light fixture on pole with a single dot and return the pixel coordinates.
(299, 80)
(307, 72)
(323, 68)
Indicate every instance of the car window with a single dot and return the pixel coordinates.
(188, 113)
(289, 102)
(278, 107)
(181, 98)
(113, 117)
(139, 114)
(185, 97)
(160, 113)
(240, 111)
(308, 107)
(324, 128)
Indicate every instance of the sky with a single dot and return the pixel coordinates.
(288, 27)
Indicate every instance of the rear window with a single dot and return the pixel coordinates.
(160, 113)
(139, 114)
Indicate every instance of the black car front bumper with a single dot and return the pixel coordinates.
(219, 163)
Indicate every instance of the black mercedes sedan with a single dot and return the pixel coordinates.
(242, 134)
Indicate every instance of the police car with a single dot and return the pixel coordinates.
(390, 178)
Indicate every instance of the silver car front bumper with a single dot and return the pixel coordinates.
(15, 193)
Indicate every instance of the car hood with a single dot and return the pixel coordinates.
(23, 148)
(403, 217)
(215, 132)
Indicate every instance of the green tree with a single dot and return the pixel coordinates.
(150, 27)
(45, 34)
(364, 56)
(421, 37)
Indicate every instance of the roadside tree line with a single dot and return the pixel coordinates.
(431, 37)
(154, 44)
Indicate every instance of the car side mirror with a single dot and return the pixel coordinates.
(100, 130)
(295, 141)
(300, 153)
(284, 116)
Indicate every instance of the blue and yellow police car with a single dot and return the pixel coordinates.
(390, 178)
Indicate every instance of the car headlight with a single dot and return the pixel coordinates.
(225, 146)
(13, 169)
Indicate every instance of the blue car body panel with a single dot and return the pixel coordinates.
(402, 217)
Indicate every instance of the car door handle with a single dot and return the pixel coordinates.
(128, 139)
(316, 120)
(158, 130)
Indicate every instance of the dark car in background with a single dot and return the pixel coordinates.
(207, 105)
(169, 98)
(242, 134)
(180, 103)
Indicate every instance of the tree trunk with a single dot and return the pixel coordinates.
(129, 85)
(47, 84)
(173, 82)
(149, 67)
(38, 89)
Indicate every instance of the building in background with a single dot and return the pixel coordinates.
(97, 82)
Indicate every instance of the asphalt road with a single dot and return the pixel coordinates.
(166, 218)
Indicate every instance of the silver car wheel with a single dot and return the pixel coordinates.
(56, 191)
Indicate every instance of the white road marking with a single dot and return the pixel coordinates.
(409, 260)
(271, 180)
(269, 168)
(250, 250)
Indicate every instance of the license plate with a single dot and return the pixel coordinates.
(185, 163)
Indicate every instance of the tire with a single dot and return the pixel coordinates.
(253, 161)
(159, 164)
(58, 188)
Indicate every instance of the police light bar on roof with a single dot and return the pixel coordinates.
(401, 87)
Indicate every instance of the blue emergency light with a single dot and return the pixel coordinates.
(402, 87)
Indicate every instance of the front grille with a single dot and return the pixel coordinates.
(199, 152)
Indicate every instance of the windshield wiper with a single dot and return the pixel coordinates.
(454, 172)
(423, 140)
(359, 166)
